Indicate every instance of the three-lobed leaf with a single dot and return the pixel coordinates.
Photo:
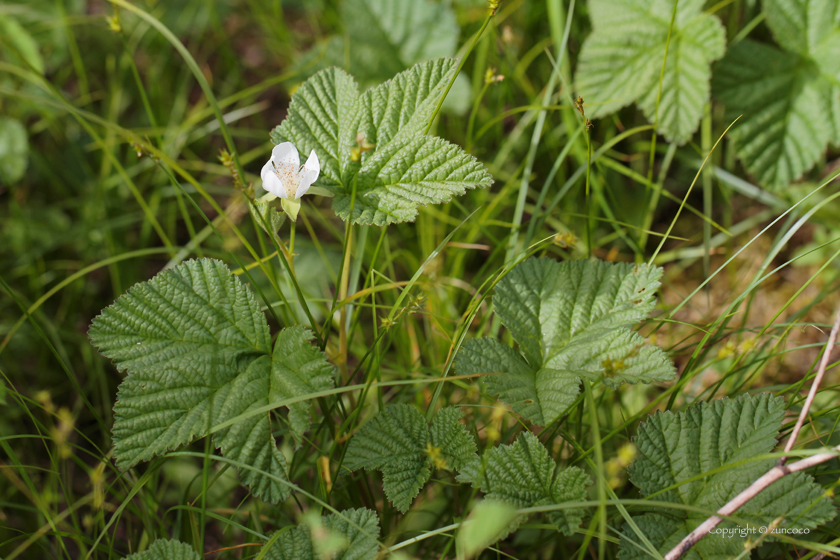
(196, 347)
(675, 451)
(789, 98)
(524, 474)
(166, 549)
(355, 531)
(571, 320)
(621, 61)
(405, 168)
(400, 443)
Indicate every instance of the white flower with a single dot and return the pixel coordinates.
(283, 175)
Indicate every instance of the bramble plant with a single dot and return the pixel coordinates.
(432, 325)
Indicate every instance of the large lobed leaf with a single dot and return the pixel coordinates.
(196, 347)
(388, 36)
(358, 529)
(571, 320)
(789, 99)
(166, 549)
(400, 443)
(621, 61)
(406, 168)
(382, 38)
(525, 475)
(677, 450)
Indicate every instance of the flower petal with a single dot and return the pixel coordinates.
(309, 174)
(272, 183)
(285, 153)
(313, 164)
(266, 170)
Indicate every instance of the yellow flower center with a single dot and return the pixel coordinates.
(289, 176)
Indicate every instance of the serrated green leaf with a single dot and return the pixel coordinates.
(405, 174)
(803, 26)
(401, 108)
(811, 28)
(524, 474)
(389, 36)
(293, 544)
(298, 368)
(361, 545)
(321, 117)
(790, 100)
(394, 442)
(196, 347)
(385, 37)
(400, 444)
(621, 61)
(448, 434)
(571, 320)
(517, 383)
(14, 150)
(302, 542)
(405, 168)
(166, 549)
(778, 136)
(673, 448)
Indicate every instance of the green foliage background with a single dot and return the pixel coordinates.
(112, 119)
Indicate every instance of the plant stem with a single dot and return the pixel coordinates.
(588, 196)
(599, 463)
(659, 96)
(771, 476)
(774, 474)
(342, 294)
(292, 245)
(832, 340)
(458, 70)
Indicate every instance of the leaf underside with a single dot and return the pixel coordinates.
(571, 320)
(196, 347)
(673, 448)
(406, 168)
(621, 61)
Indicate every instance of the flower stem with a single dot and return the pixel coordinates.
(342, 294)
(292, 245)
